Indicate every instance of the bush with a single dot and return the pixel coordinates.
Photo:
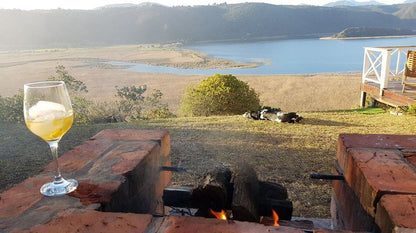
(411, 109)
(11, 108)
(76, 89)
(133, 105)
(219, 95)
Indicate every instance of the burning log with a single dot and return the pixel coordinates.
(247, 197)
(272, 190)
(283, 207)
(212, 193)
(246, 194)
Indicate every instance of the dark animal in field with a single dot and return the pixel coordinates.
(274, 114)
(255, 115)
(290, 117)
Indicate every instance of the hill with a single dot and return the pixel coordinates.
(153, 23)
(352, 3)
(408, 12)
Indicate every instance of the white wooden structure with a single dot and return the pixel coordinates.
(382, 63)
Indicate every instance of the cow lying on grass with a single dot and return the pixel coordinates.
(272, 114)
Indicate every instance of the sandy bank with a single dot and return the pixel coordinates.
(365, 37)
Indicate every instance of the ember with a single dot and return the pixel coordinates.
(275, 218)
(219, 215)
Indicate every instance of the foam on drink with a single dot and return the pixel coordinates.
(49, 120)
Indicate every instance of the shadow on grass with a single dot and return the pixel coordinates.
(323, 122)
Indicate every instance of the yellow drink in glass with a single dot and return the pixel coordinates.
(51, 129)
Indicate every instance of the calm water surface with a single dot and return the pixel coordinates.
(300, 56)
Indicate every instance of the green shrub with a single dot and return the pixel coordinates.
(219, 95)
(154, 108)
(11, 108)
(76, 89)
(134, 105)
(73, 85)
(105, 112)
(411, 109)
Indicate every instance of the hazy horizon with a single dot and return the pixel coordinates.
(91, 4)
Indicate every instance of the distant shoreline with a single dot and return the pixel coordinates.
(365, 37)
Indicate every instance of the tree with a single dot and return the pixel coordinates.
(71, 83)
(219, 95)
(76, 89)
(134, 105)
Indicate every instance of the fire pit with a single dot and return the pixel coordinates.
(131, 171)
(379, 191)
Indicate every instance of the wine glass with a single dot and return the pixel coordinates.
(48, 114)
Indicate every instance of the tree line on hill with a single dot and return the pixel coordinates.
(153, 23)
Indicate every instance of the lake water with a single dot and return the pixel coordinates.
(300, 56)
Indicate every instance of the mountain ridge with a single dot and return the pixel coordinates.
(352, 3)
(155, 23)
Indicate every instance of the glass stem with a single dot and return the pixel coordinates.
(54, 149)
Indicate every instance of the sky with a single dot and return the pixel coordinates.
(91, 4)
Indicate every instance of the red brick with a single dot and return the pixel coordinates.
(396, 213)
(141, 192)
(346, 210)
(22, 196)
(94, 221)
(335, 231)
(175, 224)
(410, 156)
(379, 141)
(128, 155)
(89, 192)
(137, 135)
(111, 172)
(80, 156)
(374, 172)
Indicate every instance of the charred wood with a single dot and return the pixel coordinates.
(178, 197)
(211, 193)
(283, 208)
(272, 190)
(246, 193)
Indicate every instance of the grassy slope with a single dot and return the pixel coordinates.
(285, 153)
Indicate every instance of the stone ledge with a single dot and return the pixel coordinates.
(117, 170)
(371, 173)
(94, 221)
(397, 213)
(75, 220)
(377, 141)
(379, 168)
(175, 224)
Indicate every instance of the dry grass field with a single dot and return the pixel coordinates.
(289, 92)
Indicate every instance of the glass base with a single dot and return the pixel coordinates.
(60, 188)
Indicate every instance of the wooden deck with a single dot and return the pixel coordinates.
(391, 96)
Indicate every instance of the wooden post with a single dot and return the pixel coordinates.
(385, 70)
(363, 98)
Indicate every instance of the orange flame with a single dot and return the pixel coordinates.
(275, 218)
(220, 215)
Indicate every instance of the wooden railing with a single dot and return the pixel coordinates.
(382, 63)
